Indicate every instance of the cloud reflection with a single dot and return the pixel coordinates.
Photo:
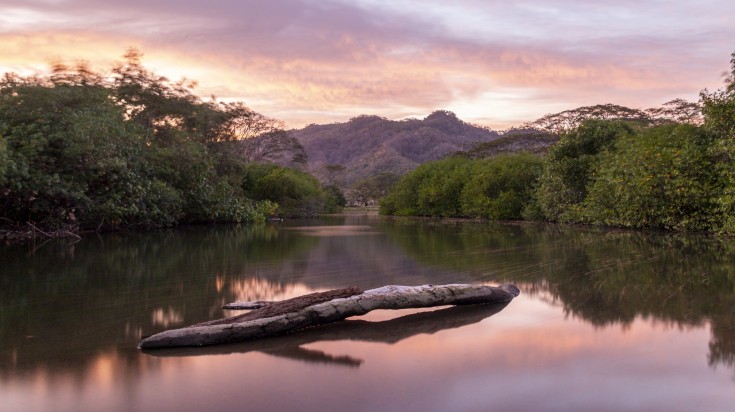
(388, 331)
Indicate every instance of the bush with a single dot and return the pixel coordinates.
(433, 189)
(138, 150)
(502, 188)
(665, 177)
(297, 193)
(718, 109)
(568, 165)
(335, 198)
(498, 188)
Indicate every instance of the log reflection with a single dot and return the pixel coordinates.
(390, 331)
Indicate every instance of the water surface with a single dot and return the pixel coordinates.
(606, 321)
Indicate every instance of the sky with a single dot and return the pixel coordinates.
(493, 63)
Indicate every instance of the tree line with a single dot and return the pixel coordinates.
(85, 150)
(670, 168)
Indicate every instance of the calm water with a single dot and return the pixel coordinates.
(605, 322)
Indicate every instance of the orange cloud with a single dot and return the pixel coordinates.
(306, 63)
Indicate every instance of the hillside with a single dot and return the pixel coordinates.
(366, 146)
(513, 141)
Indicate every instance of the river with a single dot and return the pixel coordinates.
(606, 320)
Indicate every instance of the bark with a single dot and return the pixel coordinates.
(271, 309)
(292, 346)
(247, 305)
(387, 297)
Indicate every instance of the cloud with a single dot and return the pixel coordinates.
(305, 61)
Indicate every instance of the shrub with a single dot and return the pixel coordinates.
(497, 188)
(297, 193)
(568, 165)
(665, 177)
(433, 189)
(502, 188)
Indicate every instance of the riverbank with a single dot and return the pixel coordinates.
(29, 232)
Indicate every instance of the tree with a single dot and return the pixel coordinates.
(5, 164)
(730, 76)
(568, 166)
(155, 103)
(677, 111)
(373, 188)
(665, 177)
(334, 197)
(80, 150)
(501, 188)
(296, 193)
(432, 189)
(76, 160)
(569, 120)
(241, 123)
(333, 170)
(719, 118)
(277, 147)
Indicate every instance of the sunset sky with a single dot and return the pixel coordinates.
(495, 63)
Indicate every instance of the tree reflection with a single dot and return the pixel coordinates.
(65, 302)
(63, 305)
(603, 277)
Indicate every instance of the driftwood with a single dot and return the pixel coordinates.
(271, 309)
(387, 297)
(292, 346)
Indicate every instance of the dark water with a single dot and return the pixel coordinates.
(605, 322)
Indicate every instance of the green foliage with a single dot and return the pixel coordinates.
(297, 193)
(568, 166)
(335, 197)
(137, 150)
(665, 177)
(433, 189)
(74, 156)
(612, 166)
(501, 188)
(719, 111)
(498, 188)
(5, 164)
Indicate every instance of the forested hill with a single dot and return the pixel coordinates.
(370, 145)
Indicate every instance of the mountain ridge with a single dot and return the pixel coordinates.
(369, 145)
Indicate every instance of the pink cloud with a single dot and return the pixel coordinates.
(310, 62)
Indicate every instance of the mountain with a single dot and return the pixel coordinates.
(367, 146)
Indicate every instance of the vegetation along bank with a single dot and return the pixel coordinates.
(669, 168)
(81, 150)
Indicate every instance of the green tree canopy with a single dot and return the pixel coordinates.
(297, 193)
(80, 149)
(665, 177)
(568, 165)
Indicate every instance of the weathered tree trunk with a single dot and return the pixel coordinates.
(387, 297)
(293, 345)
(271, 309)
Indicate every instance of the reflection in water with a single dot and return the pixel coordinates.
(257, 289)
(602, 312)
(604, 278)
(388, 331)
(331, 231)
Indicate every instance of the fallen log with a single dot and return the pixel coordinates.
(293, 345)
(387, 297)
(271, 309)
